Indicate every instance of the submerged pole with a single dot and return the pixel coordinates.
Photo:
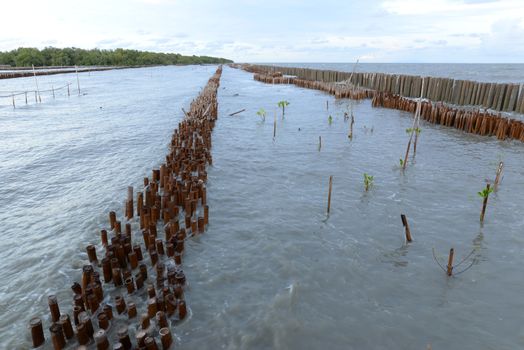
(36, 83)
(77, 80)
(449, 270)
(406, 226)
(329, 194)
(499, 173)
(485, 203)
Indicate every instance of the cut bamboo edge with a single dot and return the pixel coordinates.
(398, 92)
(145, 292)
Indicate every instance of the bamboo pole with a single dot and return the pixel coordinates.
(275, 126)
(449, 270)
(417, 115)
(36, 83)
(484, 204)
(406, 226)
(329, 194)
(499, 173)
(350, 135)
(77, 80)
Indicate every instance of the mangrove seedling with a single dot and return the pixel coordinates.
(416, 130)
(330, 120)
(485, 195)
(368, 181)
(283, 104)
(262, 113)
(401, 161)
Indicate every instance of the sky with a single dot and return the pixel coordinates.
(470, 31)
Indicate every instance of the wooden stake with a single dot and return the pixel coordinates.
(327, 105)
(129, 203)
(415, 124)
(53, 89)
(499, 172)
(406, 226)
(240, 111)
(351, 127)
(36, 83)
(275, 126)
(450, 262)
(77, 80)
(329, 194)
(13, 97)
(484, 204)
(37, 332)
(319, 143)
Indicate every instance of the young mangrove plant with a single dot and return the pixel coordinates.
(368, 181)
(484, 194)
(410, 130)
(283, 104)
(401, 161)
(330, 119)
(262, 114)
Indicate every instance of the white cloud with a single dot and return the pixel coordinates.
(284, 30)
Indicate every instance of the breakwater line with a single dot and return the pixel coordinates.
(29, 73)
(339, 90)
(506, 97)
(138, 303)
(469, 119)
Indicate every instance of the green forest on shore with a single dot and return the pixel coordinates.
(71, 56)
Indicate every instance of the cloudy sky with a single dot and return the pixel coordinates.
(277, 30)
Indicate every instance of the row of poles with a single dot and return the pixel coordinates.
(473, 122)
(469, 120)
(28, 73)
(339, 90)
(174, 201)
(507, 97)
(38, 93)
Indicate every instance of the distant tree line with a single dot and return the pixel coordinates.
(71, 56)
